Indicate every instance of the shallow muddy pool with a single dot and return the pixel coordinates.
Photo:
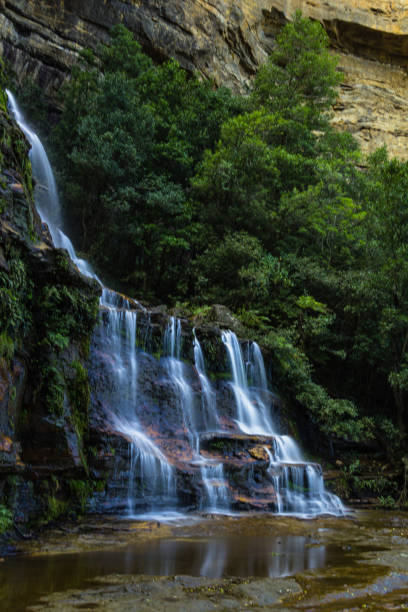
(329, 558)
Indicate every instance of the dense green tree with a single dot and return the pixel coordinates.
(298, 81)
(131, 135)
(380, 299)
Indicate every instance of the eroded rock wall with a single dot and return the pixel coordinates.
(227, 40)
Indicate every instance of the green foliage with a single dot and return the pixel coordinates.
(81, 491)
(6, 347)
(52, 388)
(187, 194)
(131, 135)
(3, 85)
(6, 519)
(15, 295)
(79, 395)
(31, 97)
(387, 502)
(335, 417)
(300, 77)
(56, 507)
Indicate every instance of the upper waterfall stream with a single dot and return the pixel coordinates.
(213, 447)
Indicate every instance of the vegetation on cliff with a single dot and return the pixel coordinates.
(47, 314)
(191, 195)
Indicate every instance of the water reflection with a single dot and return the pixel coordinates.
(218, 557)
(23, 580)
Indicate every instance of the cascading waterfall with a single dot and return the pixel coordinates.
(176, 371)
(300, 489)
(197, 419)
(209, 413)
(216, 498)
(252, 411)
(151, 478)
(148, 465)
(299, 485)
(46, 194)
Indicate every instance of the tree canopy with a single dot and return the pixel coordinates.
(187, 194)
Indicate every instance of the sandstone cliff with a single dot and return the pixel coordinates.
(227, 40)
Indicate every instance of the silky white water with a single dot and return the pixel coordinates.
(299, 486)
(253, 415)
(199, 415)
(46, 194)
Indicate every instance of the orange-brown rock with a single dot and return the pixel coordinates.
(259, 452)
(227, 41)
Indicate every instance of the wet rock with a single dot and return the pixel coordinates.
(223, 317)
(42, 420)
(267, 591)
(173, 593)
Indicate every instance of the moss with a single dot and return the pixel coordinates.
(3, 85)
(80, 396)
(15, 299)
(100, 485)
(6, 348)
(53, 389)
(81, 491)
(67, 314)
(85, 347)
(6, 519)
(56, 507)
(79, 393)
(215, 376)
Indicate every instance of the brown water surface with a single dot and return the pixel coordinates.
(357, 562)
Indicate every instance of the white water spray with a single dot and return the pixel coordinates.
(299, 486)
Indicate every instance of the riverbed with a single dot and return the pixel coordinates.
(201, 562)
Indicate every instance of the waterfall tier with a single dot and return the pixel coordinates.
(218, 437)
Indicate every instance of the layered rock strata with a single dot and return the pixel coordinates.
(226, 41)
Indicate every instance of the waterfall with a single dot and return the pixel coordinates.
(299, 486)
(46, 194)
(299, 489)
(208, 400)
(118, 322)
(150, 476)
(216, 495)
(252, 411)
(177, 375)
(148, 465)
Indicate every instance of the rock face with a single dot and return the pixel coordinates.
(227, 41)
(162, 415)
(44, 302)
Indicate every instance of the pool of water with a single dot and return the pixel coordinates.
(330, 551)
(25, 579)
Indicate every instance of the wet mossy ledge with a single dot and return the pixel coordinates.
(48, 311)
